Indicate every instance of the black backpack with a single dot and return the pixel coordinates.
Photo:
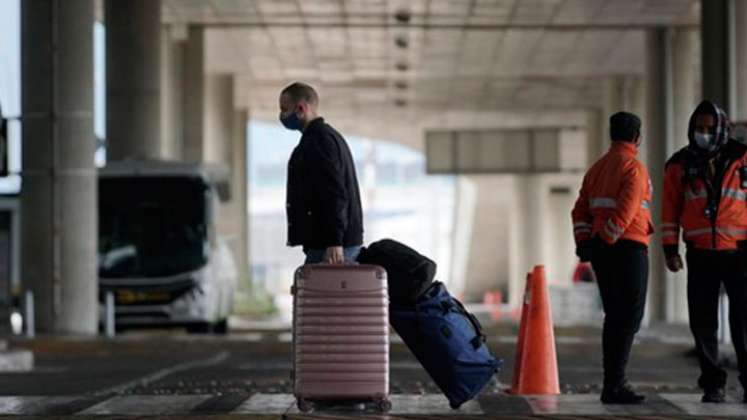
(409, 273)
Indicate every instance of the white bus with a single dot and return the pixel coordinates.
(158, 251)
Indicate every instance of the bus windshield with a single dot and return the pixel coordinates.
(151, 226)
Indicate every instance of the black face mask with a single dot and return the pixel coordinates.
(291, 121)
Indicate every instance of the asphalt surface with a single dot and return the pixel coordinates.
(247, 373)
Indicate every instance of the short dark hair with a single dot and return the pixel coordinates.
(301, 92)
(624, 126)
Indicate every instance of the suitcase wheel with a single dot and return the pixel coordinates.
(384, 405)
(305, 406)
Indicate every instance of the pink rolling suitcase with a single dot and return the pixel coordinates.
(340, 335)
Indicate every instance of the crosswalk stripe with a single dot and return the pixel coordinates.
(147, 405)
(266, 404)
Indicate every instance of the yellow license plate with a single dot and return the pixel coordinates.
(132, 296)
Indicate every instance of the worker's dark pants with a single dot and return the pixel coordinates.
(706, 271)
(622, 275)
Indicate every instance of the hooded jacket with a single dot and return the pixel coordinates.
(705, 193)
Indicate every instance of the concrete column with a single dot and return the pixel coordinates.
(540, 229)
(635, 88)
(487, 258)
(59, 198)
(214, 133)
(614, 97)
(133, 79)
(684, 84)
(525, 232)
(240, 192)
(219, 146)
(657, 129)
(172, 64)
(618, 95)
(218, 114)
(227, 141)
(194, 81)
(715, 27)
(740, 61)
(208, 110)
(464, 215)
(596, 140)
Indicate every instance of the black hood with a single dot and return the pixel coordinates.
(722, 126)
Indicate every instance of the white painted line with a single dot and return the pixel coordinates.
(266, 404)
(250, 337)
(431, 404)
(30, 404)
(147, 405)
(145, 380)
(691, 405)
(575, 404)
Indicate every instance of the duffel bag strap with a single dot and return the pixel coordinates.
(480, 336)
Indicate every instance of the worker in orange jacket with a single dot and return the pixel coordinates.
(705, 197)
(612, 225)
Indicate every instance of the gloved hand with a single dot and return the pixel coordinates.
(674, 263)
(584, 250)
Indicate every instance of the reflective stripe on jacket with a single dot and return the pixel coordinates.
(717, 221)
(615, 199)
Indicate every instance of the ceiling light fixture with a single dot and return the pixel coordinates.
(402, 66)
(401, 41)
(403, 16)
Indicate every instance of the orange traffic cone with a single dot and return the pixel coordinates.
(538, 370)
(522, 334)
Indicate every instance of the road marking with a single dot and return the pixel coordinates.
(266, 404)
(147, 405)
(160, 374)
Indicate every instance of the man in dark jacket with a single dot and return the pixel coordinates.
(323, 203)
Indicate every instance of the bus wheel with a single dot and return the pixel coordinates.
(198, 328)
(221, 327)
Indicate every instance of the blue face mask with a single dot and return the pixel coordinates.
(291, 121)
(705, 141)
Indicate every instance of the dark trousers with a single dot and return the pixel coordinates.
(622, 275)
(706, 271)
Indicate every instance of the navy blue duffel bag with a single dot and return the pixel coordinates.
(448, 341)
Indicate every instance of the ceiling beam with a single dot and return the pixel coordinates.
(554, 27)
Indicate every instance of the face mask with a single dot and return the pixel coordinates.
(291, 121)
(704, 141)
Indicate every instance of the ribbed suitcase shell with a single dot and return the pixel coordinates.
(340, 333)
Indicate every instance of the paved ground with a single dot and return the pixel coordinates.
(404, 406)
(246, 374)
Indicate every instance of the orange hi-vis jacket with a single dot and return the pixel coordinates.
(711, 217)
(615, 199)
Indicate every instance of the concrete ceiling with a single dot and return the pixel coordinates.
(453, 54)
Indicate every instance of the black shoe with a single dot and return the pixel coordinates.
(714, 395)
(622, 394)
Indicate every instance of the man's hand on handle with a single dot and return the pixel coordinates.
(334, 255)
